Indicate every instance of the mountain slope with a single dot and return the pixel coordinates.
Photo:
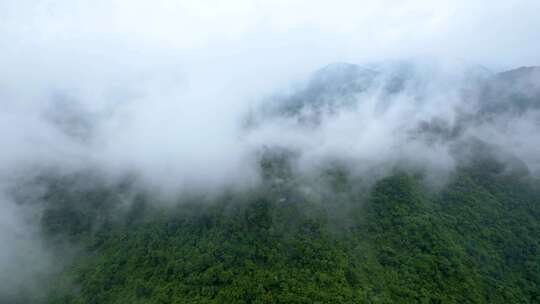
(474, 241)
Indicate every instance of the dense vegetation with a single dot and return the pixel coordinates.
(474, 240)
(334, 236)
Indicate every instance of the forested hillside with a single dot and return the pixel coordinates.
(476, 239)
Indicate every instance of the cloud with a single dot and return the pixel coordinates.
(162, 88)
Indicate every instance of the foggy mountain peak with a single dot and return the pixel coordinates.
(341, 73)
(512, 92)
(520, 73)
(345, 85)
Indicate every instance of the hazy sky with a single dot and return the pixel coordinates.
(291, 32)
(164, 84)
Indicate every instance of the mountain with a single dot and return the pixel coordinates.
(405, 233)
(335, 85)
(513, 92)
(344, 85)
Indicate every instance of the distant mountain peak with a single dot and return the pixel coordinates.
(341, 71)
(521, 72)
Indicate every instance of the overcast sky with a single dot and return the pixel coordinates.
(170, 80)
(291, 32)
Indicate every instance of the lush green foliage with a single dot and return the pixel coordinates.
(476, 240)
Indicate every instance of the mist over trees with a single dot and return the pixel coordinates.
(269, 152)
(313, 225)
